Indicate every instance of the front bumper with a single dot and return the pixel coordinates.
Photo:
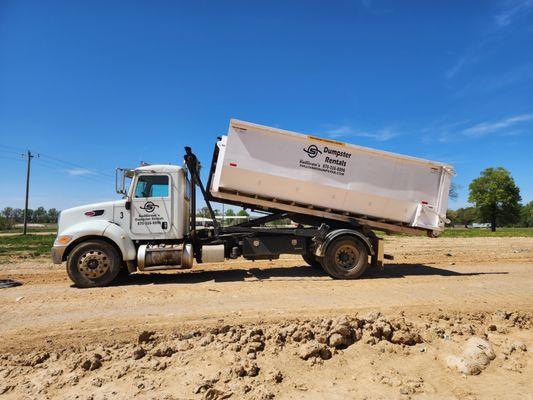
(57, 254)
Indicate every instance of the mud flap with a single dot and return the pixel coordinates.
(379, 253)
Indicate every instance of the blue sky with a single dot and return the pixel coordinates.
(98, 84)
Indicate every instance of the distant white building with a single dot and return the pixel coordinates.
(480, 225)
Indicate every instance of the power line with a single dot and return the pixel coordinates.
(53, 159)
(11, 158)
(5, 150)
(59, 160)
(17, 149)
(54, 167)
(49, 162)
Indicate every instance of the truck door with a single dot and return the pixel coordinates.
(151, 206)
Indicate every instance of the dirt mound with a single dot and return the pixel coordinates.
(261, 361)
(314, 341)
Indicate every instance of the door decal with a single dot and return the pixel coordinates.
(150, 216)
(149, 207)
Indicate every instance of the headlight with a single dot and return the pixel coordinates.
(63, 239)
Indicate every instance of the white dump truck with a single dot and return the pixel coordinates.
(337, 194)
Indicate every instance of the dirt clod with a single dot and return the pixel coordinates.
(476, 356)
(139, 353)
(146, 336)
(92, 363)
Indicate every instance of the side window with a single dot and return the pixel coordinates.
(152, 186)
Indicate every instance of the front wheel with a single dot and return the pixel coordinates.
(93, 263)
(346, 258)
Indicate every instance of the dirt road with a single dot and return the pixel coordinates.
(430, 283)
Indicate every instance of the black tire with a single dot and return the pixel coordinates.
(93, 263)
(312, 260)
(346, 258)
(123, 274)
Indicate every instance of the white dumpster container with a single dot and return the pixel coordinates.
(256, 161)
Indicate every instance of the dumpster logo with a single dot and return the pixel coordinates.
(149, 207)
(312, 151)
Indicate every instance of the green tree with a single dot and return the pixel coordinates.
(496, 196)
(243, 213)
(526, 215)
(18, 215)
(203, 212)
(8, 213)
(466, 216)
(53, 215)
(452, 216)
(5, 223)
(229, 213)
(40, 215)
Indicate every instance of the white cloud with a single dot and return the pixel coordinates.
(374, 7)
(511, 11)
(488, 42)
(79, 172)
(454, 70)
(347, 131)
(443, 131)
(484, 128)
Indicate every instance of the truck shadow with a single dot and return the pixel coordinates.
(297, 273)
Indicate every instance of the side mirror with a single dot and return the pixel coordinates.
(120, 180)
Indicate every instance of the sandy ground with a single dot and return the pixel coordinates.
(279, 329)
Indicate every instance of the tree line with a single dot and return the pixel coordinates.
(496, 200)
(466, 216)
(10, 216)
(204, 212)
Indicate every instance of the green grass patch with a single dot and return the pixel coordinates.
(25, 246)
(47, 228)
(482, 232)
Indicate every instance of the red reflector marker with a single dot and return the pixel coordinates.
(232, 164)
(90, 213)
(424, 202)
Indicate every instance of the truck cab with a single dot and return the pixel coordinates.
(154, 208)
(156, 205)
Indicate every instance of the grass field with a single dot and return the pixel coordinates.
(31, 229)
(28, 246)
(482, 232)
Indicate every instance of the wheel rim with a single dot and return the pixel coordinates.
(93, 264)
(347, 256)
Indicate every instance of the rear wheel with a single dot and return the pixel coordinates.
(312, 260)
(346, 258)
(93, 263)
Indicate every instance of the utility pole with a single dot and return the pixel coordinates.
(29, 156)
